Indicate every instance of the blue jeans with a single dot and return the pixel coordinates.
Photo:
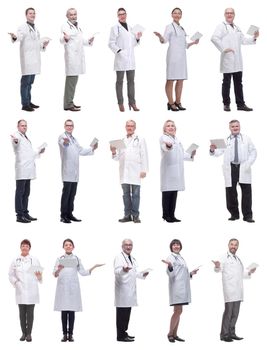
(131, 199)
(25, 89)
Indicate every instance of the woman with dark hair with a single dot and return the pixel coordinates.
(24, 274)
(68, 293)
(176, 59)
(171, 169)
(179, 286)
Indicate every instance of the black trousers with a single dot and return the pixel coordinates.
(169, 204)
(231, 196)
(67, 319)
(229, 319)
(26, 317)
(122, 321)
(23, 189)
(67, 198)
(238, 88)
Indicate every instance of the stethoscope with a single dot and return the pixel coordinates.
(235, 27)
(19, 261)
(64, 257)
(72, 26)
(70, 138)
(176, 30)
(229, 138)
(33, 32)
(235, 258)
(131, 262)
(178, 257)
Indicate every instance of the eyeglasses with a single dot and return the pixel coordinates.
(122, 14)
(229, 13)
(69, 126)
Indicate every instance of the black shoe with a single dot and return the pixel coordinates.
(125, 339)
(178, 338)
(28, 338)
(233, 218)
(227, 339)
(65, 338)
(180, 107)
(131, 336)
(72, 109)
(126, 219)
(34, 106)
(27, 108)
(235, 337)
(226, 108)
(23, 219)
(174, 219)
(244, 108)
(171, 339)
(167, 218)
(70, 338)
(172, 107)
(248, 220)
(73, 218)
(136, 220)
(76, 106)
(65, 220)
(23, 337)
(27, 216)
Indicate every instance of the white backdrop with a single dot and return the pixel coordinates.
(204, 230)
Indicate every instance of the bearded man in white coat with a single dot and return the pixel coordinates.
(239, 155)
(30, 58)
(122, 42)
(228, 39)
(233, 273)
(70, 152)
(72, 38)
(133, 161)
(24, 169)
(25, 283)
(125, 269)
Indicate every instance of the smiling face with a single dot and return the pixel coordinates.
(233, 246)
(68, 247)
(22, 127)
(176, 248)
(72, 15)
(169, 128)
(176, 15)
(127, 246)
(122, 15)
(130, 127)
(234, 128)
(30, 16)
(69, 126)
(25, 249)
(229, 15)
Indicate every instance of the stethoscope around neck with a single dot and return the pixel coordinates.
(19, 261)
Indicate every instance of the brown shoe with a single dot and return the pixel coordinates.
(121, 108)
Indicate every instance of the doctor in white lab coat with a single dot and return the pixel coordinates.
(68, 294)
(30, 58)
(228, 39)
(239, 155)
(25, 283)
(175, 35)
(122, 41)
(233, 273)
(24, 169)
(171, 170)
(73, 40)
(133, 161)
(179, 286)
(126, 272)
(70, 152)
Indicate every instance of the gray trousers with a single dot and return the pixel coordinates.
(70, 86)
(26, 318)
(130, 86)
(229, 319)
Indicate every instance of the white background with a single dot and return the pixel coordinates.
(204, 230)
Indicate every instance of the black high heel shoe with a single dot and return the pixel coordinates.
(133, 106)
(180, 107)
(172, 107)
(168, 219)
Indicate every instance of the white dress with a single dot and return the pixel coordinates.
(176, 54)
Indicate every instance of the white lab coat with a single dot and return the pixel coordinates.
(24, 158)
(247, 155)
(124, 40)
(125, 282)
(176, 54)
(233, 274)
(179, 280)
(227, 37)
(133, 160)
(68, 293)
(24, 282)
(172, 164)
(74, 51)
(30, 47)
(70, 155)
